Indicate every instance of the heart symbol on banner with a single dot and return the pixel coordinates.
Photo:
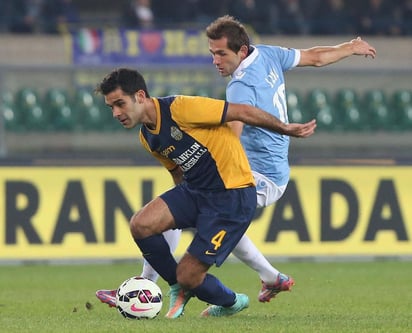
(151, 41)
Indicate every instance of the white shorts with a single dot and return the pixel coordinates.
(267, 191)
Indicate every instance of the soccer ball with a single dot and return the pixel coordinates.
(139, 298)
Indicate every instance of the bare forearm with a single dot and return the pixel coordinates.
(256, 117)
(237, 127)
(177, 175)
(325, 55)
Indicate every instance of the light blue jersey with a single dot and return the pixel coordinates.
(259, 81)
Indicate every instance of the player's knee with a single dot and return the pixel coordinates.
(140, 227)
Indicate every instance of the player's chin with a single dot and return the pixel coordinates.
(129, 125)
(223, 73)
(126, 123)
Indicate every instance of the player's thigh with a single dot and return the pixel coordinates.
(183, 205)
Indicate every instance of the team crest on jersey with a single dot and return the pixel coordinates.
(176, 133)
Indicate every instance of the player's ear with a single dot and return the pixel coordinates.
(140, 95)
(244, 50)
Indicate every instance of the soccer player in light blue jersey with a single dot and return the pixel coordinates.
(257, 78)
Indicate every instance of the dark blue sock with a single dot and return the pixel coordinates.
(213, 291)
(157, 252)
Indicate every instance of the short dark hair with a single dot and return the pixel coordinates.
(227, 26)
(128, 80)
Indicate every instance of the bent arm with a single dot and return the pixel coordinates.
(319, 56)
(177, 175)
(256, 117)
(237, 127)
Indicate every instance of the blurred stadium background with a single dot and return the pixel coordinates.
(363, 107)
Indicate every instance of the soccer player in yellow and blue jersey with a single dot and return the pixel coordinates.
(215, 192)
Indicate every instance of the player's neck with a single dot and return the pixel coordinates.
(150, 120)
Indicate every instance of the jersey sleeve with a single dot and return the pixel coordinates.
(197, 111)
(288, 57)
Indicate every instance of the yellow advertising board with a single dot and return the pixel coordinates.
(83, 212)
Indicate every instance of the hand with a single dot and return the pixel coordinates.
(361, 47)
(301, 130)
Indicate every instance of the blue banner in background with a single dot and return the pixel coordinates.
(118, 46)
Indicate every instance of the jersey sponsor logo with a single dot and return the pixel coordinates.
(189, 157)
(167, 151)
(176, 133)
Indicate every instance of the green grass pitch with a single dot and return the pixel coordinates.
(351, 297)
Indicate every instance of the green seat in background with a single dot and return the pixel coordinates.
(36, 119)
(27, 97)
(8, 111)
(90, 117)
(295, 107)
(317, 98)
(61, 114)
(319, 106)
(346, 98)
(402, 97)
(7, 97)
(349, 113)
(32, 115)
(401, 103)
(406, 118)
(379, 115)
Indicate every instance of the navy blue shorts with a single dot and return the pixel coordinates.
(220, 218)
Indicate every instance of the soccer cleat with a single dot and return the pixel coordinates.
(178, 300)
(107, 296)
(283, 283)
(242, 302)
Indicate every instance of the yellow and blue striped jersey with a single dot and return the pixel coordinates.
(190, 133)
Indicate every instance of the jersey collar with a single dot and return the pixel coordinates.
(158, 117)
(246, 62)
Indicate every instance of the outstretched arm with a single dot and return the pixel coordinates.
(325, 55)
(256, 117)
(237, 127)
